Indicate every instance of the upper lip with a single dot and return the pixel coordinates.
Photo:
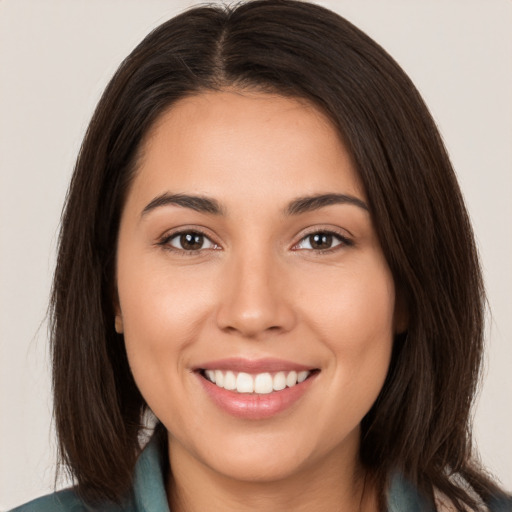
(253, 365)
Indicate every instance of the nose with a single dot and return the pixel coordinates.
(254, 300)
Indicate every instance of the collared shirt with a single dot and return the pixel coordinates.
(148, 493)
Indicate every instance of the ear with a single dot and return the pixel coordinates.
(118, 320)
(118, 323)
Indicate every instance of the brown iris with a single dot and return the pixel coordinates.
(321, 241)
(191, 241)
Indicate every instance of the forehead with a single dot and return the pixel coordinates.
(246, 144)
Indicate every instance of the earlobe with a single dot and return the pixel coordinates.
(118, 323)
(118, 320)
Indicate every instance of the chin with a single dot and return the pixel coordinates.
(259, 467)
(270, 455)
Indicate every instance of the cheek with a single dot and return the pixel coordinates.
(154, 294)
(354, 319)
(355, 308)
(162, 313)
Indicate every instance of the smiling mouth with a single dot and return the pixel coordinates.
(258, 384)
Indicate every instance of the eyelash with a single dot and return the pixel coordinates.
(164, 242)
(343, 240)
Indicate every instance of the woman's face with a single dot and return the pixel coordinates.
(247, 256)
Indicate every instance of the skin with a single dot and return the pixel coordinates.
(256, 288)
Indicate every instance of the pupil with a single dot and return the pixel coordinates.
(191, 241)
(321, 241)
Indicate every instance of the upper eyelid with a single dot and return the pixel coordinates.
(164, 239)
(345, 239)
(324, 231)
(171, 233)
(342, 233)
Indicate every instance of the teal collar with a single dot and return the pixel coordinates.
(404, 497)
(149, 485)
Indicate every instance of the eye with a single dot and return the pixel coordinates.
(189, 241)
(322, 241)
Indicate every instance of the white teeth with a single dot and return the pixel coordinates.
(301, 376)
(261, 383)
(279, 381)
(230, 381)
(291, 379)
(219, 378)
(244, 383)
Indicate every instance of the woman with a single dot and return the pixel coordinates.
(265, 245)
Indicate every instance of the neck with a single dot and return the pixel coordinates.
(329, 485)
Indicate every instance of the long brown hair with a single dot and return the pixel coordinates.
(420, 423)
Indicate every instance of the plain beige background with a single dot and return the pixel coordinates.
(56, 57)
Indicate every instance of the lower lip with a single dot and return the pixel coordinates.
(254, 406)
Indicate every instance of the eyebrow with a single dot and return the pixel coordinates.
(212, 206)
(197, 203)
(315, 202)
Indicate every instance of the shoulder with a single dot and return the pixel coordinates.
(501, 504)
(61, 501)
(404, 497)
(67, 501)
(148, 490)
